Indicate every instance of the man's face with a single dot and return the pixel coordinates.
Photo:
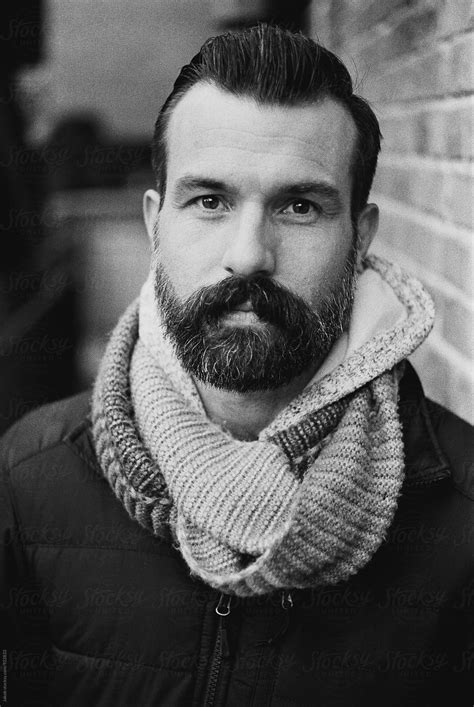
(258, 203)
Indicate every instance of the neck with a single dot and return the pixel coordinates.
(245, 415)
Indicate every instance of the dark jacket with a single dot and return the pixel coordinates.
(99, 612)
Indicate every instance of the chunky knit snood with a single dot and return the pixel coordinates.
(307, 503)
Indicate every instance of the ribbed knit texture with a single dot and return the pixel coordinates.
(308, 503)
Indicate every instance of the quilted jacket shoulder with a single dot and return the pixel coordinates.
(98, 611)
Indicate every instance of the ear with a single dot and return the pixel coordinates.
(367, 225)
(151, 208)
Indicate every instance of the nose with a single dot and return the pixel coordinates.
(250, 246)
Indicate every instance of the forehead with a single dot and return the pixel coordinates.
(212, 129)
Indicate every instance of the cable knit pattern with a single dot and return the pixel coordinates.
(307, 503)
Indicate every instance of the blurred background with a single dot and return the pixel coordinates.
(80, 87)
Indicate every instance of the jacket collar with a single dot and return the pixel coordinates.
(425, 463)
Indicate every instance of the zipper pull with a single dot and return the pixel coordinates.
(223, 605)
(286, 604)
(222, 610)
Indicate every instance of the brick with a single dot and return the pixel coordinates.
(438, 190)
(407, 36)
(418, 243)
(446, 134)
(425, 76)
(417, 126)
(392, 235)
(453, 135)
(443, 381)
(461, 74)
(392, 181)
(428, 74)
(465, 118)
(457, 203)
(400, 134)
(426, 188)
(437, 250)
(392, 13)
(436, 133)
(321, 22)
(228, 11)
(389, 182)
(458, 326)
(456, 265)
(454, 17)
(415, 185)
(426, 248)
(373, 13)
(460, 394)
(413, 32)
(421, 133)
(344, 20)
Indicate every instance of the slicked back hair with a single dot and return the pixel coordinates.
(274, 66)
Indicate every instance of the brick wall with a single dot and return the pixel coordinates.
(414, 62)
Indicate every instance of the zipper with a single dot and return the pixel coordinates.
(286, 605)
(286, 602)
(221, 650)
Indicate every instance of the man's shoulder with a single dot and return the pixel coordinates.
(49, 475)
(44, 429)
(455, 437)
(436, 439)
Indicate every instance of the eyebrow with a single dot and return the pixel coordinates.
(189, 183)
(321, 188)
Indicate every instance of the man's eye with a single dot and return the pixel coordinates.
(300, 207)
(210, 202)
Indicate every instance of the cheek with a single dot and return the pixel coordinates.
(183, 260)
(315, 269)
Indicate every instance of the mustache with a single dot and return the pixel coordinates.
(251, 358)
(270, 301)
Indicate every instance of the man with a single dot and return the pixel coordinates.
(259, 506)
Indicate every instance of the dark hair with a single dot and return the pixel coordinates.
(275, 66)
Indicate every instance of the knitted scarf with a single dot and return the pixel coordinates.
(307, 503)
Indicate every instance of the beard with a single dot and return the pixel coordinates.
(289, 339)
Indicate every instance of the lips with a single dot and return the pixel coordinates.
(244, 307)
(242, 314)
